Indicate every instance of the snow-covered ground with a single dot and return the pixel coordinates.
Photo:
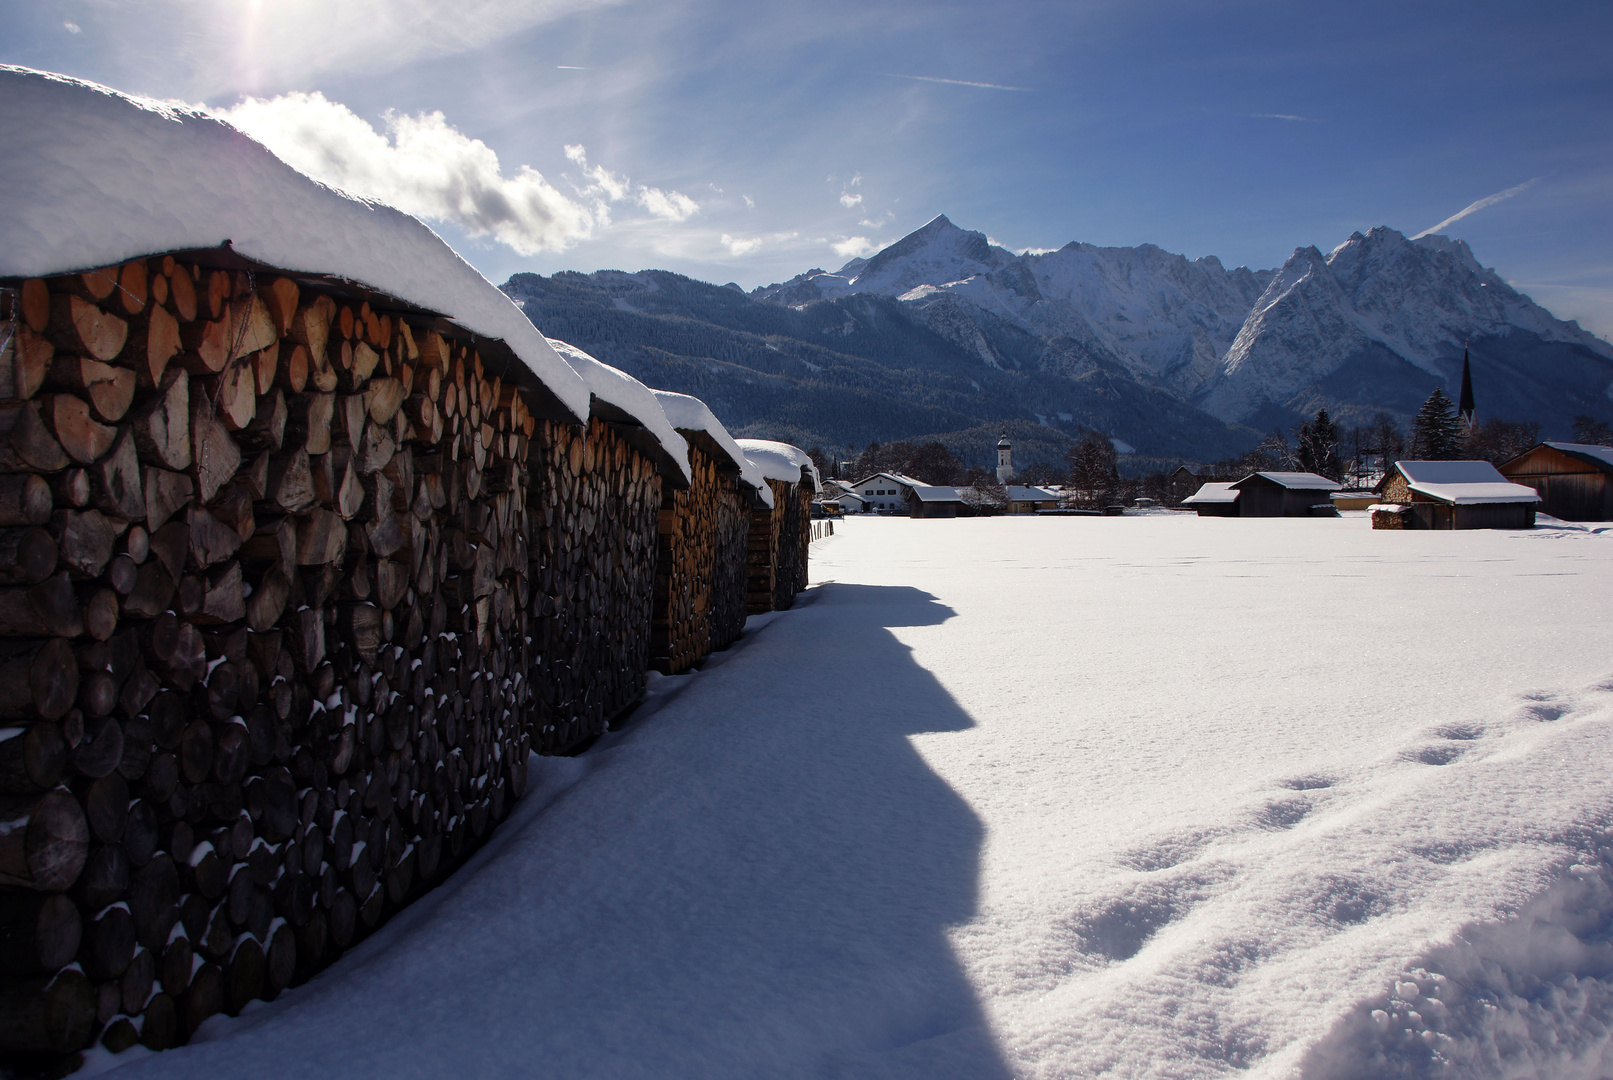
(1062, 797)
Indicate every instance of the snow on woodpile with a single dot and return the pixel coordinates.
(687, 413)
(1464, 483)
(616, 387)
(93, 177)
(780, 461)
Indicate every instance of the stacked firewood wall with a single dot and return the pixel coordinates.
(795, 537)
(595, 500)
(762, 552)
(267, 655)
(700, 565)
(730, 577)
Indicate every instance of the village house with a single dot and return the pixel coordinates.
(1028, 500)
(1452, 495)
(1283, 494)
(1575, 480)
(886, 490)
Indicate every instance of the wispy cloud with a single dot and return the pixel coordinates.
(1473, 208)
(958, 82)
(72, 27)
(854, 247)
(613, 187)
(848, 200)
(1285, 116)
(570, 67)
(424, 166)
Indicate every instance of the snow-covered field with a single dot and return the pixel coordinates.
(1143, 796)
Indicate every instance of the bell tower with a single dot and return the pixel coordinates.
(1005, 460)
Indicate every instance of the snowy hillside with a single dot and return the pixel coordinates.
(1374, 325)
(1060, 825)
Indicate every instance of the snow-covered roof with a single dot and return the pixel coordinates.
(688, 413)
(928, 493)
(1463, 483)
(780, 461)
(840, 495)
(1600, 456)
(1295, 481)
(617, 388)
(93, 177)
(1021, 493)
(895, 477)
(1213, 493)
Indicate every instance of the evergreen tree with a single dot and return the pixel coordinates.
(1438, 433)
(1588, 429)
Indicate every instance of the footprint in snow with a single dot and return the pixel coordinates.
(1435, 755)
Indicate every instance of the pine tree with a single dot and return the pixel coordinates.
(1437, 433)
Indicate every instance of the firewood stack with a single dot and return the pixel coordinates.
(593, 568)
(700, 568)
(266, 630)
(778, 544)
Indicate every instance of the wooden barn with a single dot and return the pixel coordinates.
(926, 501)
(1452, 495)
(1283, 494)
(1575, 480)
(1214, 499)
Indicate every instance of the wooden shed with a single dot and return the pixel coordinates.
(926, 501)
(1213, 500)
(1575, 480)
(1283, 494)
(1454, 495)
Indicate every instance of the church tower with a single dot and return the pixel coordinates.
(1005, 460)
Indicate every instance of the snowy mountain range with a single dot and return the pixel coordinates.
(1373, 325)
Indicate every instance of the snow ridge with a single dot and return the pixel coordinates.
(93, 176)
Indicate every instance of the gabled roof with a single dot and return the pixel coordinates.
(1213, 493)
(895, 477)
(926, 493)
(1590, 454)
(1294, 481)
(1463, 483)
(1021, 493)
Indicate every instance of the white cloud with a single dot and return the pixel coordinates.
(672, 205)
(855, 180)
(738, 246)
(1488, 200)
(605, 186)
(421, 165)
(854, 247)
(72, 27)
(750, 203)
(424, 166)
(848, 200)
(880, 222)
(1285, 116)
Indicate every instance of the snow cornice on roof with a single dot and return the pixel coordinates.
(689, 414)
(626, 400)
(781, 461)
(94, 177)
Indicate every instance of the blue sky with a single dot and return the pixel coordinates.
(750, 141)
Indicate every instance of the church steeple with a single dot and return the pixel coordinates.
(1464, 403)
(1005, 460)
